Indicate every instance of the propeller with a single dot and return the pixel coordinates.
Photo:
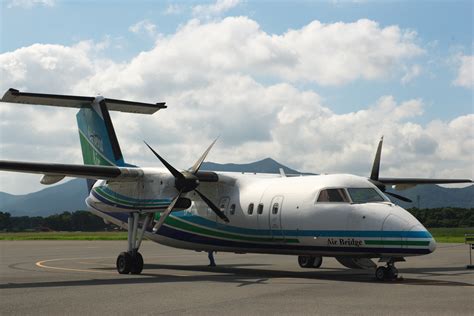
(186, 181)
(405, 199)
(374, 175)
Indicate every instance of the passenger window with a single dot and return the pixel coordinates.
(275, 208)
(232, 209)
(260, 209)
(250, 209)
(333, 195)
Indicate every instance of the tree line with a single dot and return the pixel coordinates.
(66, 221)
(86, 221)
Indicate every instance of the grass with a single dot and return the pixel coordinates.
(64, 236)
(442, 235)
(450, 235)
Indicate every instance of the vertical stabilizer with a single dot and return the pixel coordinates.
(97, 135)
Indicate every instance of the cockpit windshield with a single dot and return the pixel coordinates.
(365, 195)
(333, 195)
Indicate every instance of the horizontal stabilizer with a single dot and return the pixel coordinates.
(71, 101)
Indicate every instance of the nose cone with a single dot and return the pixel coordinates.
(422, 230)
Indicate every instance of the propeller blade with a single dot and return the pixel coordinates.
(374, 175)
(213, 206)
(171, 169)
(194, 169)
(167, 212)
(399, 197)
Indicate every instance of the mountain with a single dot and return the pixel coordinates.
(433, 196)
(267, 165)
(70, 195)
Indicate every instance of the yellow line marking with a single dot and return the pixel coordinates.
(42, 265)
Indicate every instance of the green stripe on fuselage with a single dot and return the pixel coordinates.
(397, 242)
(115, 199)
(186, 226)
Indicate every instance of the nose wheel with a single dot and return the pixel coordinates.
(131, 261)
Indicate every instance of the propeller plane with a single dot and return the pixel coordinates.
(338, 215)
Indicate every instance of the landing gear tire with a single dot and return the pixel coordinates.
(386, 273)
(380, 273)
(306, 261)
(124, 263)
(391, 273)
(137, 264)
(318, 261)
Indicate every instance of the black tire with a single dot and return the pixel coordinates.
(391, 274)
(318, 261)
(137, 264)
(381, 273)
(306, 261)
(124, 263)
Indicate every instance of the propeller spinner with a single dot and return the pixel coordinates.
(186, 181)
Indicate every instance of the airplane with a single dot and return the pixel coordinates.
(344, 216)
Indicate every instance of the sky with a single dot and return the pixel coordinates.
(312, 84)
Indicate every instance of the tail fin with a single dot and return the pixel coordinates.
(98, 139)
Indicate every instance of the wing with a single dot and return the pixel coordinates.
(415, 181)
(406, 183)
(55, 172)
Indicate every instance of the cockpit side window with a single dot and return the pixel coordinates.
(365, 195)
(333, 195)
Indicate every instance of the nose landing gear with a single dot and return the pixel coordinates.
(132, 261)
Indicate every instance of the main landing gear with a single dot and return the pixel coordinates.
(132, 261)
(310, 261)
(387, 273)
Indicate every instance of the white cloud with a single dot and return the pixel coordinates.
(465, 76)
(214, 9)
(143, 27)
(42, 66)
(28, 4)
(411, 73)
(327, 54)
(209, 76)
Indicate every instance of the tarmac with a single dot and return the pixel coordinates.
(79, 278)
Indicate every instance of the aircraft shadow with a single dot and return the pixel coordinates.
(243, 276)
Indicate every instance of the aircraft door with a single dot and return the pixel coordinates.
(274, 219)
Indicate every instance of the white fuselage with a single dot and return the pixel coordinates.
(285, 218)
